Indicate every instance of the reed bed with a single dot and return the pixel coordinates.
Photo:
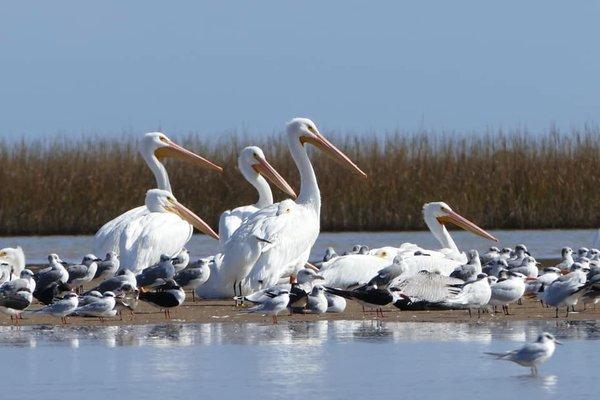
(501, 180)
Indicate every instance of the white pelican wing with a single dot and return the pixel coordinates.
(231, 220)
(355, 269)
(148, 236)
(108, 236)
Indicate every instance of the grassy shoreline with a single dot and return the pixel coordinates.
(501, 181)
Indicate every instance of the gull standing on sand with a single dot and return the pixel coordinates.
(82, 273)
(108, 267)
(55, 272)
(491, 255)
(13, 303)
(100, 308)
(335, 303)
(567, 259)
(137, 235)
(157, 274)
(532, 354)
(272, 302)
(124, 278)
(193, 277)
(316, 302)
(60, 309)
(565, 290)
(507, 291)
(254, 166)
(167, 296)
(474, 294)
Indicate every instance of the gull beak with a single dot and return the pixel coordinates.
(322, 143)
(264, 168)
(173, 150)
(462, 222)
(311, 266)
(187, 215)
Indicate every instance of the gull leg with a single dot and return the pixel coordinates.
(556, 312)
(235, 294)
(470, 315)
(567, 316)
(520, 302)
(193, 295)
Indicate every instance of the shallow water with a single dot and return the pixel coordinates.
(325, 359)
(541, 243)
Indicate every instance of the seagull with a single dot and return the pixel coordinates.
(369, 297)
(90, 297)
(565, 290)
(61, 308)
(82, 273)
(316, 302)
(492, 255)
(102, 307)
(549, 275)
(470, 270)
(54, 272)
(116, 283)
(157, 274)
(528, 267)
(181, 261)
(49, 293)
(13, 303)
(26, 281)
(335, 304)
(567, 259)
(166, 296)
(505, 253)
(581, 253)
(495, 267)
(193, 277)
(507, 291)
(107, 268)
(532, 354)
(272, 302)
(386, 275)
(127, 297)
(474, 294)
(520, 254)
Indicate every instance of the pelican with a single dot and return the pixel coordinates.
(13, 262)
(112, 236)
(253, 165)
(162, 229)
(276, 241)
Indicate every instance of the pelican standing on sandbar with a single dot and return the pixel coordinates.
(277, 238)
(253, 165)
(119, 234)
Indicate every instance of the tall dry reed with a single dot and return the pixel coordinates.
(499, 180)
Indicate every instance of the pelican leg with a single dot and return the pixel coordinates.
(470, 315)
(556, 312)
(567, 315)
(241, 294)
(520, 302)
(274, 318)
(193, 295)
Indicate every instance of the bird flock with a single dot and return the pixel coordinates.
(263, 261)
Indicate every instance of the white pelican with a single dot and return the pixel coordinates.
(14, 258)
(358, 269)
(164, 228)
(276, 241)
(253, 165)
(155, 147)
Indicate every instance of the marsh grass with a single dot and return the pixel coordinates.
(501, 180)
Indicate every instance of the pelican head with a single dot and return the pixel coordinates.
(160, 146)
(444, 214)
(304, 130)
(13, 256)
(158, 200)
(253, 159)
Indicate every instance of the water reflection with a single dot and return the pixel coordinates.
(305, 334)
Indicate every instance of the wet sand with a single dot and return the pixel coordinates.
(204, 311)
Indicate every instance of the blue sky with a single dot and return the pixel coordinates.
(108, 67)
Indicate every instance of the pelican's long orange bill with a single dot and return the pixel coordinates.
(322, 143)
(187, 215)
(464, 223)
(173, 150)
(263, 167)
